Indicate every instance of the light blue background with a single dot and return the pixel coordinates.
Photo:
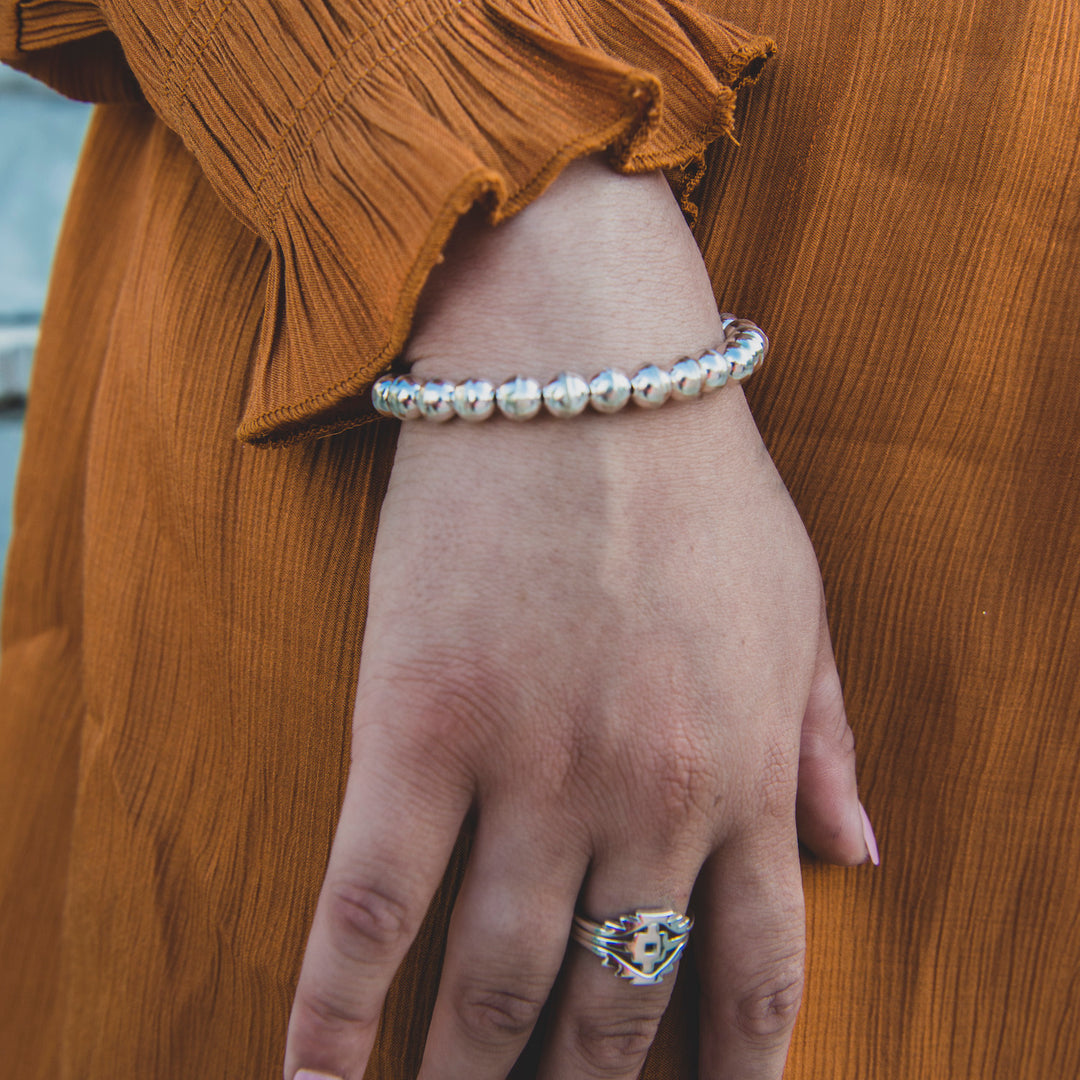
(40, 136)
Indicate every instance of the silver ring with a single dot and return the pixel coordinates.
(641, 946)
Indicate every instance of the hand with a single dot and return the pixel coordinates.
(607, 637)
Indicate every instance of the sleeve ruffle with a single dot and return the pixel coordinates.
(353, 145)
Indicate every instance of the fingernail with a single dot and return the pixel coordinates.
(309, 1074)
(869, 837)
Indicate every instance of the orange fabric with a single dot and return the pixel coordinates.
(183, 612)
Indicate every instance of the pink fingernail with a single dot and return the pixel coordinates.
(308, 1074)
(869, 837)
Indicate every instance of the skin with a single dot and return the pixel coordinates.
(604, 637)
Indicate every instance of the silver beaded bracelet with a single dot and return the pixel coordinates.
(520, 398)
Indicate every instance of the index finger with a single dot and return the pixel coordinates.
(396, 832)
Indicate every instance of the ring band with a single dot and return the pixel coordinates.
(641, 946)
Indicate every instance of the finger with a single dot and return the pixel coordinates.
(749, 944)
(397, 829)
(831, 820)
(506, 944)
(603, 1025)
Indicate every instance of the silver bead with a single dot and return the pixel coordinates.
(401, 397)
(715, 370)
(741, 358)
(379, 395)
(436, 401)
(745, 326)
(686, 379)
(755, 340)
(474, 399)
(609, 391)
(652, 387)
(519, 398)
(726, 319)
(566, 395)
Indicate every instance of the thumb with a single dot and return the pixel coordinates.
(831, 820)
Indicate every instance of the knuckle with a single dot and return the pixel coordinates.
(367, 923)
(612, 1047)
(323, 1015)
(765, 1013)
(434, 713)
(494, 1016)
(845, 738)
(777, 782)
(827, 699)
(827, 746)
(681, 783)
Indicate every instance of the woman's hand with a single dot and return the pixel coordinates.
(607, 637)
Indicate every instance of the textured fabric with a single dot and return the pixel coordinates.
(183, 612)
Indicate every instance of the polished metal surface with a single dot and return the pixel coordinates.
(642, 946)
(474, 399)
(609, 391)
(756, 342)
(651, 386)
(686, 379)
(401, 397)
(436, 400)
(714, 369)
(741, 358)
(566, 395)
(741, 326)
(519, 398)
(380, 395)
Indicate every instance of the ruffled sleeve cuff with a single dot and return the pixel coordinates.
(353, 137)
(475, 102)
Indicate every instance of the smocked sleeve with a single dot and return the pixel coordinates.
(352, 135)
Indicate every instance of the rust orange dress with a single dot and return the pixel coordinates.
(263, 190)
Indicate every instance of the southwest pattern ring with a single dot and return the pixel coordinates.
(641, 946)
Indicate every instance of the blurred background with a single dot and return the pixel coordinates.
(40, 136)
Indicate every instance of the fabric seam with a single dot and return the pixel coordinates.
(174, 56)
(189, 71)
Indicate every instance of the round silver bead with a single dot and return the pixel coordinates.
(755, 340)
(474, 399)
(686, 379)
(726, 319)
(651, 387)
(401, 397)
(519, 398)
(566, 395)
(715, 370)
(609, 391)
(379, 394)
(436, 401)
(744, 326)
(741, 358)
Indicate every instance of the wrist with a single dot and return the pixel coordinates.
(601, 271)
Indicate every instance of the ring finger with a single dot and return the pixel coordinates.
(604, 1024)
